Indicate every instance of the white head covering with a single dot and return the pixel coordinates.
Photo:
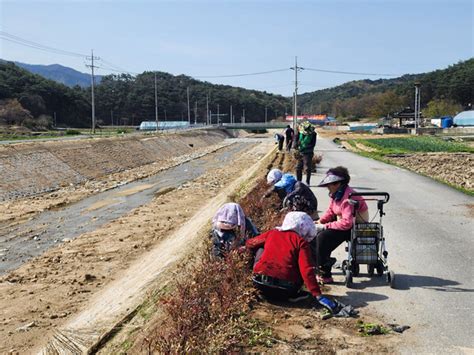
(228, 216)
(300, 223)
(274, 176)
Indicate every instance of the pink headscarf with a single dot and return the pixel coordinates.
(229, 216)
(300, 223)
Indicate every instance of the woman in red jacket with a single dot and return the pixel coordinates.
(286, 262)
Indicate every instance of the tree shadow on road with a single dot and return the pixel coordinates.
(405, 282)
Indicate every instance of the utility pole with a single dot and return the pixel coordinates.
(156, 105)
(243, 115)
(210, 117)
(55, 122)
(296, 68)
(111, 117)
(91, 58)
(231, 120)
(207, 110)
(195, 111)
(417, 105)
(189, 110)
(265, 114)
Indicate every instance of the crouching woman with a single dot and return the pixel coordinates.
(285, 261)
(230, 229)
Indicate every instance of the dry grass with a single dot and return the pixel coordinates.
(208, 311)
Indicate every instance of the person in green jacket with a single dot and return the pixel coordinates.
(305, 143)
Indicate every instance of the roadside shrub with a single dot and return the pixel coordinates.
(72, 132)
(206, 312)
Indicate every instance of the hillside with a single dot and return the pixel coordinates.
(363, 98)
(132, 100)
(126, 100)
(61, 74)
(31, 101)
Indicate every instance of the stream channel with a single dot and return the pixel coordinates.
(49, 228)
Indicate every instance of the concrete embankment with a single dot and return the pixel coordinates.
(31, 168)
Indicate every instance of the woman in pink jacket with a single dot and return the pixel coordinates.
(335, 224)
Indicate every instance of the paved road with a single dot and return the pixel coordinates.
(429, 229)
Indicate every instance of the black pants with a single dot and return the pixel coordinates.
(280, 143)
(277, 293)
(325, 243)
(272, 292)
(305, 160)
(289, 142)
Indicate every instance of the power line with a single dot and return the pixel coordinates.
(246, 74)
(117, 71)
(24, 42)
(348, 72)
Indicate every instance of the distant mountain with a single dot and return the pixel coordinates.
(60, 74)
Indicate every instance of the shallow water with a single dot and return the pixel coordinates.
(49, 228)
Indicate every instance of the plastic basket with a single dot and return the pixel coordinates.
(366, 242)
(366, 253)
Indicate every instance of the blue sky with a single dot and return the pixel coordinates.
(205, 38)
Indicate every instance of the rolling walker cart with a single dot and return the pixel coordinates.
(367, 243)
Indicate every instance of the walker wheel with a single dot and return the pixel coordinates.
(348, 279)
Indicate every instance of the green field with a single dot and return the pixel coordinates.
(414, 145)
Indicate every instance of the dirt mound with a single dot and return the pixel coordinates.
(453, 168)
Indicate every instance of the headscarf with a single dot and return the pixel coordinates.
(229, 216)
(306, 128)
(300, 223)
(286, 182)
(274, 176)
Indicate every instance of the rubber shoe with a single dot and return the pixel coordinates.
(324, 280)
(300, 296)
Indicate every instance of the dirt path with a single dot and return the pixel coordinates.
(47, 292)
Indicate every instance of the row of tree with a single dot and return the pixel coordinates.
(130, 100)
(127, 100)
(30, 100)
(445, 91)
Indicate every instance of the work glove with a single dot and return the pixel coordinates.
(319, 227)
(327, 303)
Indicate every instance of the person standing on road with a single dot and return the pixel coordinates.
(285, 262)
(334, 226)
(305, 143)
(289, 136)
